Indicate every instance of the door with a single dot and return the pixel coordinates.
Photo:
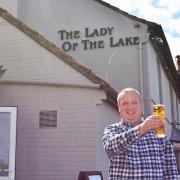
(8, 116)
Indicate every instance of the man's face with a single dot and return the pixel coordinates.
(130, 107)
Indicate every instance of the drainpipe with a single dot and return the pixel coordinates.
(141, 71)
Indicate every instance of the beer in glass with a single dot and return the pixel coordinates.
(159, 110)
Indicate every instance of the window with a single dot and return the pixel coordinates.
(47, 119)
(8, 116)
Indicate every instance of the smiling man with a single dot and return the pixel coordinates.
(134, 151)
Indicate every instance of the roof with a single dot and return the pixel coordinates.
(88, 73)
(160, 43)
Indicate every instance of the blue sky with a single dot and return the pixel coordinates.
(164, 12)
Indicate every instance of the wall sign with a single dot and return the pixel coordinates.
(93, 39)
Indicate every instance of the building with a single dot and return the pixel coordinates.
(121, 49)
(62, 107)
(113, 44)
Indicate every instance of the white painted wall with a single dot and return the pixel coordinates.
(154, 87)
(175, 105)
(117, 65)
(106, 115)
(32, 61)
(54, 153)
(10, 6)
(153, 75)
(166, 101)
(58, 153)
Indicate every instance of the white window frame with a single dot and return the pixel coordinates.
(13, 117)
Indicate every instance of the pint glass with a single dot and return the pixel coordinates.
(159, 110)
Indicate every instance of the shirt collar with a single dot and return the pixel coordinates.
(123, 122)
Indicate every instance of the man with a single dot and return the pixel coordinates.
(134, 151)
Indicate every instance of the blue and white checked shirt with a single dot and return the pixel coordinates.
(135, 157)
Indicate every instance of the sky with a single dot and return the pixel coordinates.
(163, 12)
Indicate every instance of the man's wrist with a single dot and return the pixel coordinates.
(142, 129)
